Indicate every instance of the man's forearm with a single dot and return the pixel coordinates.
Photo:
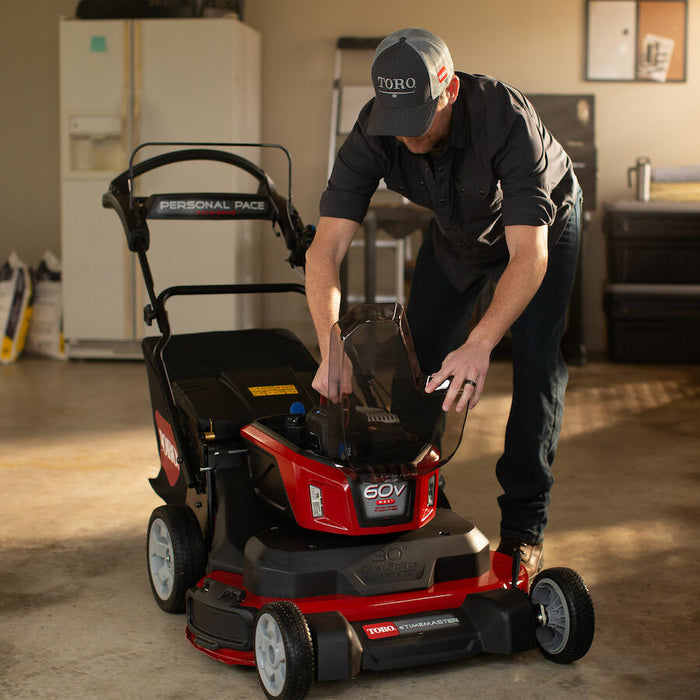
(323, 260)
(323, 297)
(515, 289)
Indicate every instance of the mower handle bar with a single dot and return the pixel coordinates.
(204, 152)
(267, 203)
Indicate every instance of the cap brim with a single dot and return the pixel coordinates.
(401, 121)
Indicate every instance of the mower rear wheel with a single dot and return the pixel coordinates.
(284, 653)
(176, 555)
(568, 616)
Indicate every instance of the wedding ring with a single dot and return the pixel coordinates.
(470, 381)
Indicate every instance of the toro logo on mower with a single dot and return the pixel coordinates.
(380, 630)
(169, 458)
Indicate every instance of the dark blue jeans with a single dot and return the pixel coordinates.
(439, 317)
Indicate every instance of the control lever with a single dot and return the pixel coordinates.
(443, 387)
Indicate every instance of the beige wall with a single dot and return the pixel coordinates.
(29, 182)
(537, 45)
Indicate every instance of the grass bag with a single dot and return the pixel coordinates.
(45, 337)
(15, 307)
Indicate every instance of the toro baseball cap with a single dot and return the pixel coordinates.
(411, 68)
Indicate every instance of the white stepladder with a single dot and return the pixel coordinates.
(351, 91)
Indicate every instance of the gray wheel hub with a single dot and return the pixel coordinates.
(270, 655)
(161, 563)
(554, 633)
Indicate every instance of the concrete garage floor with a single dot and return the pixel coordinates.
(78, 619)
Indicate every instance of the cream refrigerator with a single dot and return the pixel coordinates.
(126, 82)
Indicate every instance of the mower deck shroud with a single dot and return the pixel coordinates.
(446, 621)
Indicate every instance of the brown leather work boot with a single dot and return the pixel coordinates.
(532, 555)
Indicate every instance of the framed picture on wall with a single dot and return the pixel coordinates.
(636, 40)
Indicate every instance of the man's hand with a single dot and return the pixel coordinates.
(320, 380)
(333, 388)
(468, 363)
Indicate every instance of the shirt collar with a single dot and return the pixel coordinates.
(459, 123)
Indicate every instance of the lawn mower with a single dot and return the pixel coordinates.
(310, 537)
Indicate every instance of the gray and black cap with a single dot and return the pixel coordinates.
(411, 68)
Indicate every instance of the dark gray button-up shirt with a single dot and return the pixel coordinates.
(501, 167)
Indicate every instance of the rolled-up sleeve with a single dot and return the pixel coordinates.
(358, 168)
(526, 177)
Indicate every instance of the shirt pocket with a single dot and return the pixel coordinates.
(480, 208)
(485, 197)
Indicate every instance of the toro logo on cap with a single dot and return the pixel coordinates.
(405, 86)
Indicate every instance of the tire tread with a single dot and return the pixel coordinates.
(298, 647)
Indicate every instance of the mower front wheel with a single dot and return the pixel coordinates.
(567, 615)
(176, 555)
(284, 653)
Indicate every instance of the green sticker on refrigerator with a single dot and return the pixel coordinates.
(98, 44)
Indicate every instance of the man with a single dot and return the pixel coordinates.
(506, 208)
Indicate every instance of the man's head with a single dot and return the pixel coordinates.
(412, 69)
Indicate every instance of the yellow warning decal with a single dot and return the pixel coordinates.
(273, 390)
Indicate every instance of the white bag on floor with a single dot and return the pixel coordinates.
(45, 337)
(15, 307)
